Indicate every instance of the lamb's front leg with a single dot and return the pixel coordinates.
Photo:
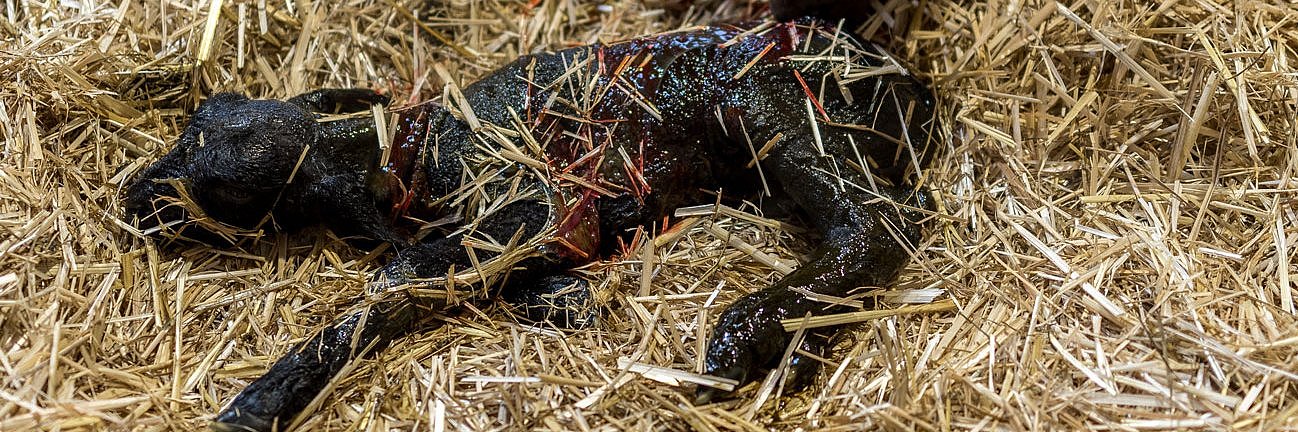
(284, 392)
(387, 313)
(862, 248)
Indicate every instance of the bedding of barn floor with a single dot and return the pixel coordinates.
(1113, 248)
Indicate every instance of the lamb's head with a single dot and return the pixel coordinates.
(259, 164)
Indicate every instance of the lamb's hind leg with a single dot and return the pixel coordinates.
(862, 247)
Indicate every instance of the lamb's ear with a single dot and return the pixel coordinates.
(217, 105)
(339, 101)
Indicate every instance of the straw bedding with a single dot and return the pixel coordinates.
(1115, 233)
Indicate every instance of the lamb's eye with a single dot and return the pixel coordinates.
(233, 195)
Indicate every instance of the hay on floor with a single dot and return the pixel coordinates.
(1115, 234)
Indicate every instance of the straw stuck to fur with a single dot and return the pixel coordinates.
(1115, 233)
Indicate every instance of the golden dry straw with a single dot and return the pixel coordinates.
(1116, 228)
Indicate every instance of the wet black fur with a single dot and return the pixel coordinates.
(264, 163)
